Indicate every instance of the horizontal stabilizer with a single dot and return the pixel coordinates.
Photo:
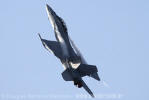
(66, 75)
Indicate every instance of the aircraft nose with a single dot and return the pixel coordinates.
(47, 5)
(51, 15)
(50, 11)
(49, 8)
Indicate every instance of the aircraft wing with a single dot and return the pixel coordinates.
(87, 89)
(52, 46)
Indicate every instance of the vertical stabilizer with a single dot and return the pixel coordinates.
(95, 76)
(87, 89)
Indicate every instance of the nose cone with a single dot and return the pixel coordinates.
(47, 6)
(51, 15)
(50, 10)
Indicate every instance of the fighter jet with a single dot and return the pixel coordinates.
(71, 58)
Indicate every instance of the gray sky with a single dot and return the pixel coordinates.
(112, 34)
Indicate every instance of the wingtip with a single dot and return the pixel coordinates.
(39, 36)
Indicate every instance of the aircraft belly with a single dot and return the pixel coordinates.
(63, 45)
